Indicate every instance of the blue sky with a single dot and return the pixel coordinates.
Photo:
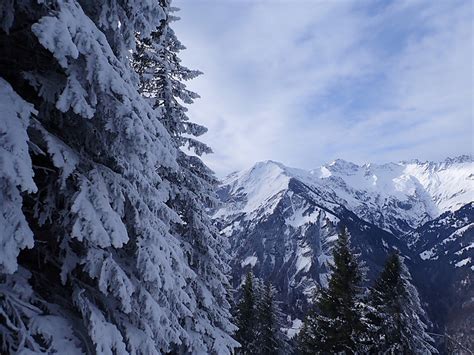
(305, 82)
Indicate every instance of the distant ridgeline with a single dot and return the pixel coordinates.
(283, 223)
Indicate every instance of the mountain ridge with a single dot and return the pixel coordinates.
(282, 223)
(424, 190)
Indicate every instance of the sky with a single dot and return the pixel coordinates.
(306, 82)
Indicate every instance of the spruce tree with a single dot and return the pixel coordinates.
(307, 337)
(162, 82)
(245, 319)
(271, 339)
(105, 244)
(396, 312)
(336, 323)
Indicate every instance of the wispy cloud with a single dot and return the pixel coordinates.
(304, 82)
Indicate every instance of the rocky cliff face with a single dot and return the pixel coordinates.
(282, 222)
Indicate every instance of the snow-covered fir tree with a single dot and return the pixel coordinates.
(162, 79)
(105, 243)
(336, 322)
(396, 312)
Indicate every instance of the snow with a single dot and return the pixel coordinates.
(324, 172)
(457, 234)
(448, 183)
(16, 175)
(258, 186)
(96, 219)
(63, 156)
(466, 248)
(116, 197)
(463, 262)
(440, 186)
(324, 279)
(250, 260)
(294, 329)
(428, 254)
(15, 162)
(331, 238)
(303, 262)
(309, 291)
(58, 332)
(433, 253)
(411, 191)
(300, 217)
(231, 228)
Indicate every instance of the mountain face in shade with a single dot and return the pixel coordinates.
(445, 271)
(282, 222)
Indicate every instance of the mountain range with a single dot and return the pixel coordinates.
(282, 222)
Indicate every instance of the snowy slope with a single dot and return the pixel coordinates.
(450, 237)
(253, 188)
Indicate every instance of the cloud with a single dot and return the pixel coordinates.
(305, 82)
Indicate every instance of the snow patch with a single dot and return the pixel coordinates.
(303, 258)
(457, 234)
(249, 260)
(428, 254)
(470, 246)
(463, 262)
(293, 329)
(300, 217)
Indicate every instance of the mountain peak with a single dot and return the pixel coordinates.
(465, 158)
(460, 159)
(268, 163)
(342, 166)
(254, 187)
(413, 189)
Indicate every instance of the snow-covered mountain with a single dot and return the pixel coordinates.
(440, 238)
(281, 221)
(395, 196)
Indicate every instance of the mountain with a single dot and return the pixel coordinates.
(282, 222)
(400, 196)
(444, 272)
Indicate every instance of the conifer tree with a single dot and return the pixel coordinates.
(105, 244)
(396, 312)
(307, 337)
(336, 323)
(162, 82)
(246, 321)
(271, 339)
